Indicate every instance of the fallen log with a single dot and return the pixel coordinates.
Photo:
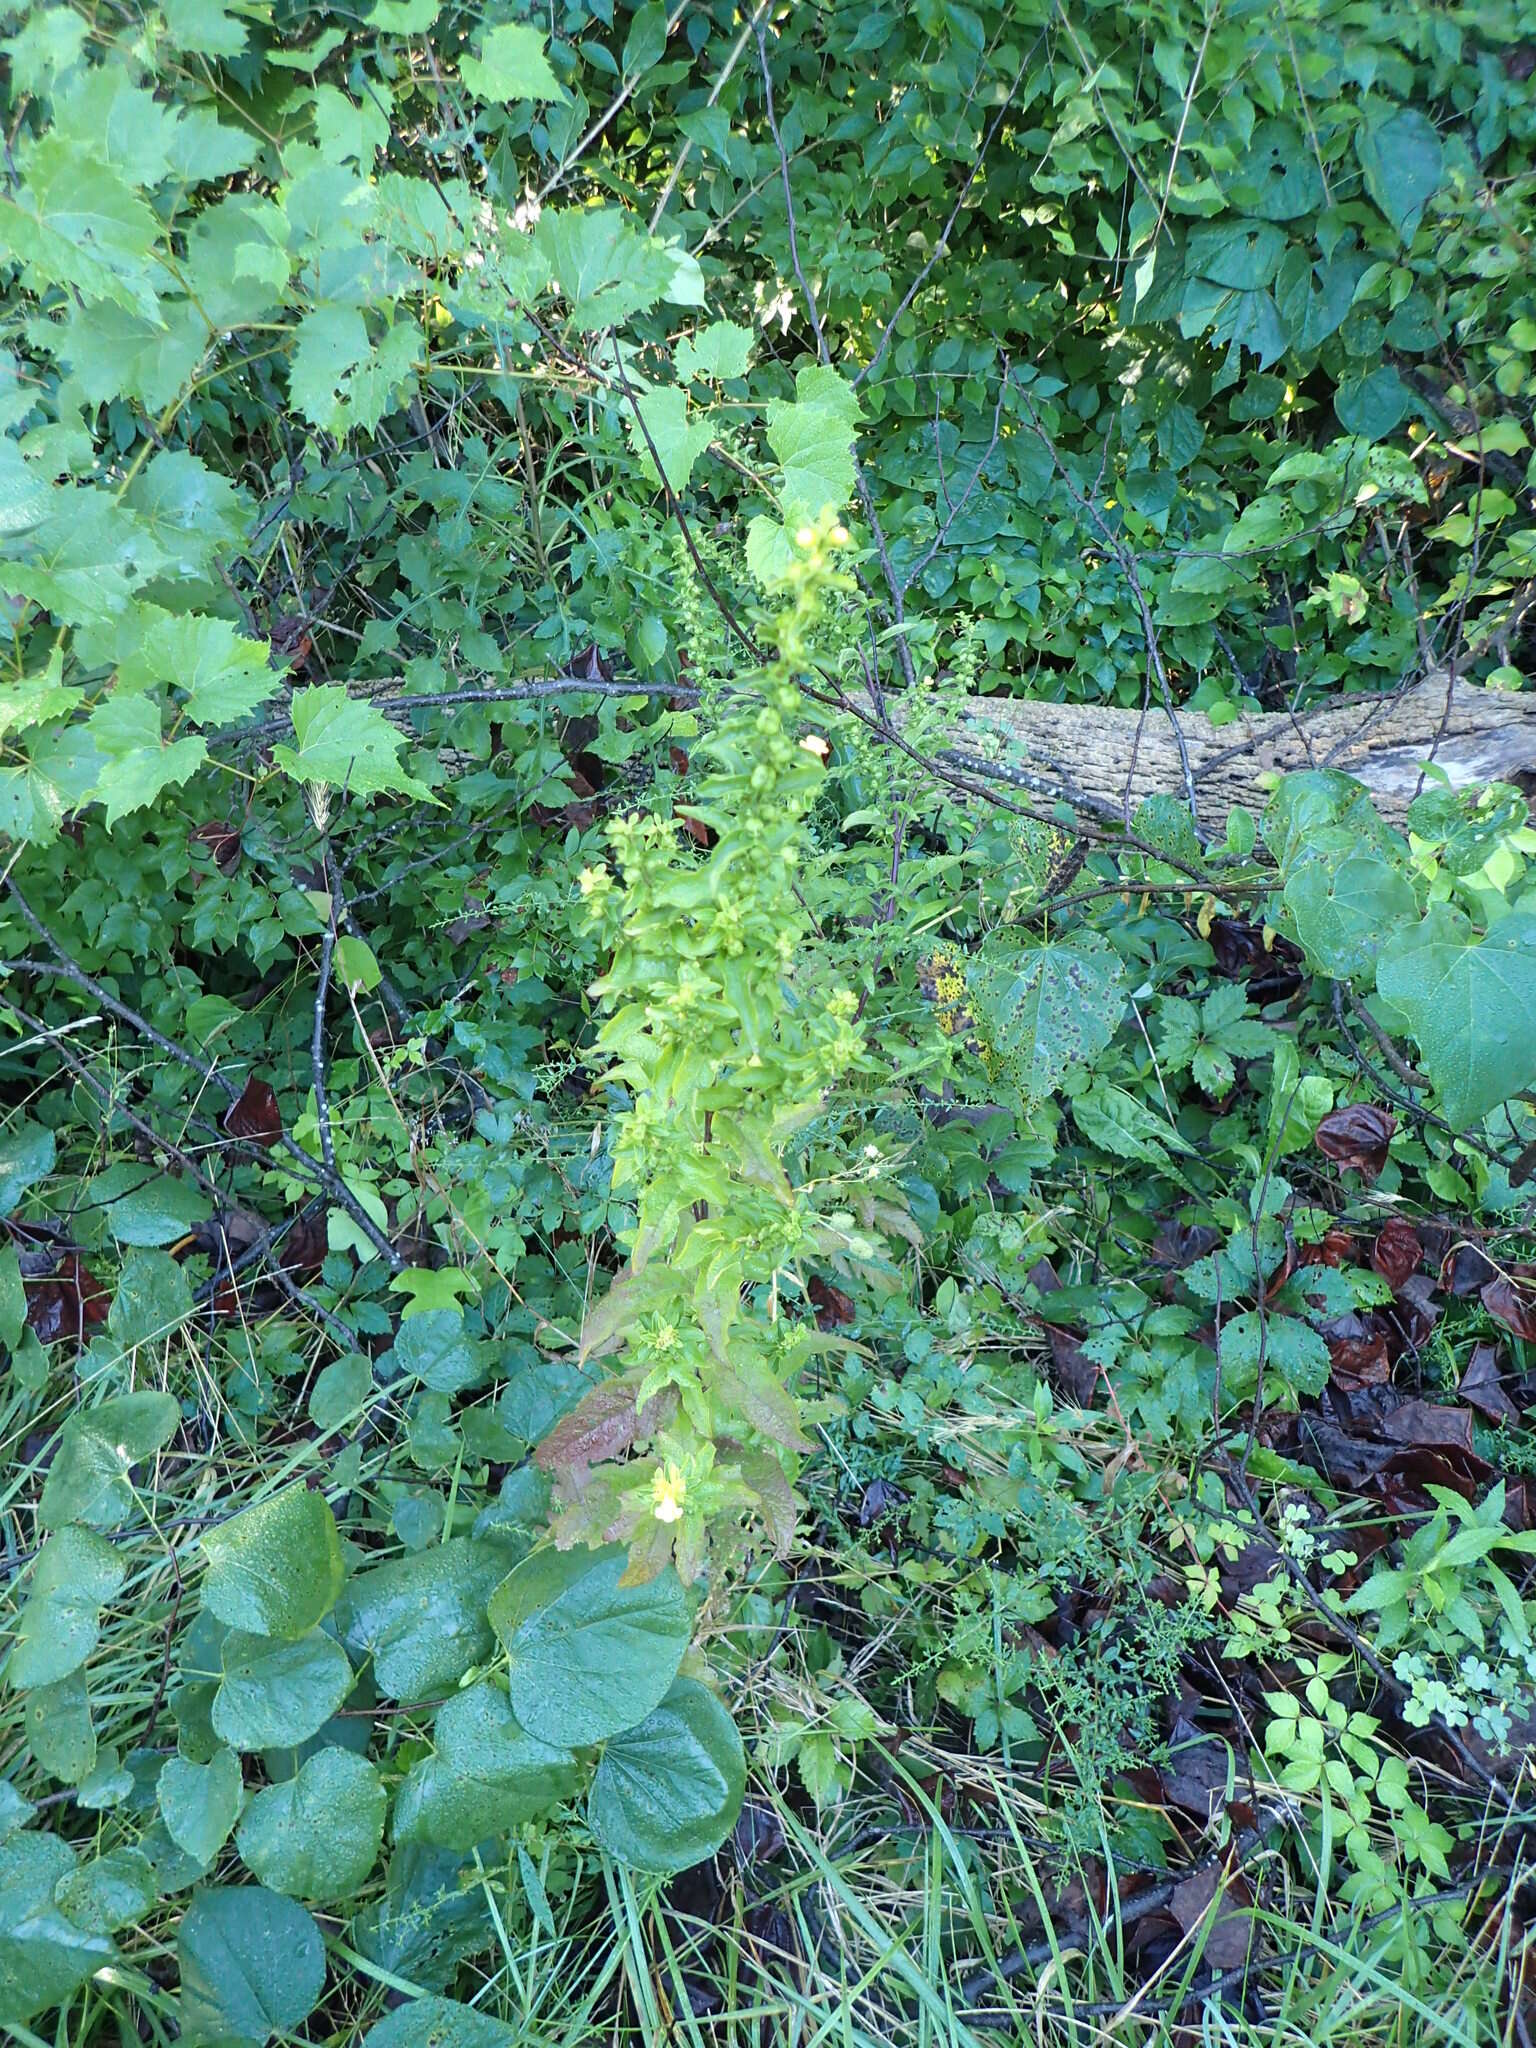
(1109, 760)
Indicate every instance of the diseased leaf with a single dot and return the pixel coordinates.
(439, 2023)
(275, 1694)
(88, 1480)
(44, 1956)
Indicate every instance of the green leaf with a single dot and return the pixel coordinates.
(1402, 160)
(275, 1694)
(356, 967)
(439, 2023)
(125, 731)
(25, 496)
(813, 440)
(1047, 1008)
(200, 1803)
(26, 1155)
(587, 1656)
(606, 270)
(422, 1619)
(1111, 1117)
(488, 1775)
(344, 743)
(77, 223)
(74, 1577)
(679, 440)
(15, 1812)
(44, 1957)
(667, 1793)
(1292, 1350)
(340, 1391)
(153, 1299)
(205, 28)
(318, 1835)
(1470, 1004)
(13, 1298)
(1374, 405)
(647, 39)
(145, 1207)
(252, 1965)
(275, 1570)
(436, 1349)
(112, 1891)
(721, 351)
(511, 66)
(98, 1448)
(224, 675)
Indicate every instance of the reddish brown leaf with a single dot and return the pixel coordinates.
(1177, 1245)
(304, 1247)
(1198, 1771)
(590, 665)
(1229, 1903)
(602, 1425)
(679, 760)
(1075, 1375)
(1336, 1247)
(255, 1117)
(1425, 1424)
(696, 828)
(1466, 1269)
(1415, 1311)
(290, 640)
(833, 1307)
(1481, 1387)
(1357, 1137)
(1397, 1251)
(1360, 1360)
(67, 1304)
(1271, 971)
(1513, 1301)
(221, 841)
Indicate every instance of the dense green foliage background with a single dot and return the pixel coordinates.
(475, 482)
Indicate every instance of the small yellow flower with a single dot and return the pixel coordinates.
(839, 536)
(805, 537)
(669, 1489)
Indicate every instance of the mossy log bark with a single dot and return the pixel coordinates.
(1113, 759)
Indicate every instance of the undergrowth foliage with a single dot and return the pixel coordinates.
(683, 1350)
